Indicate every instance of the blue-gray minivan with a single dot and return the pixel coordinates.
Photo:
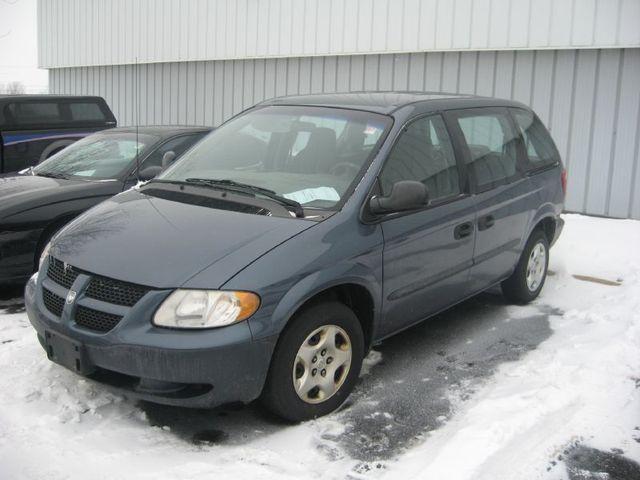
(267, 261)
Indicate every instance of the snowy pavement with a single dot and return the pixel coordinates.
(484, 391)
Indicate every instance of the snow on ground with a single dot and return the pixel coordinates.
(582, 384)
(484, 391)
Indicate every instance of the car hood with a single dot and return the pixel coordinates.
(19, 193)
(162, 243)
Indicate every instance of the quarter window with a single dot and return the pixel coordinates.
(423, 153)
(492, 147)
(86, 112)
(540, 148)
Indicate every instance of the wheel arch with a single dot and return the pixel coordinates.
(358, 294)
(544, 219)
(55, 147)
(355, 296)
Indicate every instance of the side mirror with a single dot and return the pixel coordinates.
(149, 173)
(167, 158)
(405, 195)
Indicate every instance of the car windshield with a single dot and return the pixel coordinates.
(97, 156)
(311, 155)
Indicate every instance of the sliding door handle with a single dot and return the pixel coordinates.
(486, 222)
(463, 230)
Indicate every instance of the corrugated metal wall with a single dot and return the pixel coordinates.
(590, 99)
(105, 32)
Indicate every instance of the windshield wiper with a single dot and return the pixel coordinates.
(52, 175)
(250, 189)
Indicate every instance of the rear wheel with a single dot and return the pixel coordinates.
(316, 363)
(526, 282)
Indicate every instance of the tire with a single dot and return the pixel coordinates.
(518, 288)
(310, 328)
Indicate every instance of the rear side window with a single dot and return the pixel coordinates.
(541, 151)
(491, 141)
(86, 112)
(35, 113)
(423, 153)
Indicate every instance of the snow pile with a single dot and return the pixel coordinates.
(581, 385)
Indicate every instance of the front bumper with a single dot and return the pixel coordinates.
(188, 368)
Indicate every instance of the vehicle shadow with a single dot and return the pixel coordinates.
(406, 392)
(426, 369)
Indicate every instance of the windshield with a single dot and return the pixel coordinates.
(312, 155)
(98, 156)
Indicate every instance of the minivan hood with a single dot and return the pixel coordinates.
(19, 193)
(162, 243)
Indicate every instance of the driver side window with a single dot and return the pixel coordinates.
(424, 153)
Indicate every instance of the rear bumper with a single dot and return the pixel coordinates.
(173, 367)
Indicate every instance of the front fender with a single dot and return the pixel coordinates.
(312, 286)
(296, 271)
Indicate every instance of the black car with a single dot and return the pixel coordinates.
(36, 203)
(36, 127)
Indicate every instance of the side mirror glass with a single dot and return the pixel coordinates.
(167, 158)
(149, 173)
(405, 195)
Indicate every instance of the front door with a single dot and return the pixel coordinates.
(427, 253)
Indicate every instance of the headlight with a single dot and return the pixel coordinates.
(205, 308)
(44, 255)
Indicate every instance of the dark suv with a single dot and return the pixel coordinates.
(269, 259)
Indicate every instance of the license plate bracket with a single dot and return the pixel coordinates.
(67, 352)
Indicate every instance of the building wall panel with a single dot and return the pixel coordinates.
(103, 32)
(589, 99)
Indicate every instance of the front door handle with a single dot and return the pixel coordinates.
(463, 230)
(486, 222)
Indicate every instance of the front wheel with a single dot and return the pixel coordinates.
(526, 282)
(316, 363)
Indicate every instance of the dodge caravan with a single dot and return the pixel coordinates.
(267, 261)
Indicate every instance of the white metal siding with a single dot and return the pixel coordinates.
(589, 98)
(105, 32)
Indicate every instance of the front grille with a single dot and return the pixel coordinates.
(53, 302)
(105, 289)
(95, 320)
(114, 291)
(61, 275)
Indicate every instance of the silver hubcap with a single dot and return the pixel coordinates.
(322, 364)
(536, 267)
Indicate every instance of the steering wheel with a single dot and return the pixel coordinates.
(342, 168)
